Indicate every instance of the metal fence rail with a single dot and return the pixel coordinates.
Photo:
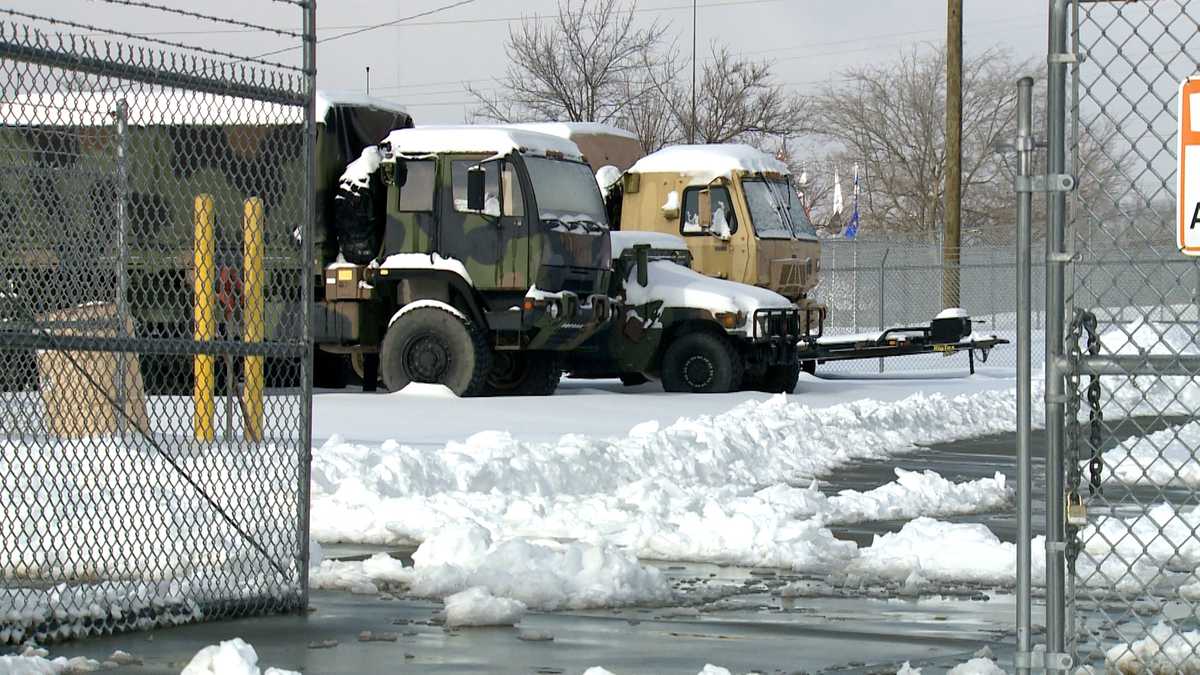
(154, 361)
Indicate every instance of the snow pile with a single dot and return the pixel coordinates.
(35, 661)
(703, 164)
(1162, 458)
(915, 493)
(539, 575)
(937, 551)
(477, 607)
(977, 666)
(231, 657)
(1163, 650)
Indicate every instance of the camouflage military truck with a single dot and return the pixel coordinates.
(734, 206)
(471, 256)
(62, 179)
(695, 333)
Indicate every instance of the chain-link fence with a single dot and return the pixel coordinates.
(869, 285)
(1123, 549)
(154, 384)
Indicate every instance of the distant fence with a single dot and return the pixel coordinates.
(869, 285)
(154, 359)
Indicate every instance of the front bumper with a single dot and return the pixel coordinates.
(563, 321)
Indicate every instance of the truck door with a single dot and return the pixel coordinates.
(486, 242)
(712, 247)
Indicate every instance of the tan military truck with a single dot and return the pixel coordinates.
(735, 207)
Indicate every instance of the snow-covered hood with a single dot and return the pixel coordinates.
(678, 286)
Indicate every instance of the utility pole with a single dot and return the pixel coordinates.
(952, 237)
(692, 126)
(368, 80)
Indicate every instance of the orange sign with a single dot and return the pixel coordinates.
(1187, 187)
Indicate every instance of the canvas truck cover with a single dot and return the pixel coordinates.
(58, 165)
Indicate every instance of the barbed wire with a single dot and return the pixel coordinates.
(206, 17)
(135, 36)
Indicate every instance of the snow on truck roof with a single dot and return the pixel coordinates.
(707, 162)
(570, 130)
(497, 140)
(168, 107)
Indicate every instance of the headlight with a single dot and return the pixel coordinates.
(730, 320)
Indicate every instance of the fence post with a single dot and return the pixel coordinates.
(1056, 394)
(882, 273)
(253, 330)
(121, 115)
(204, 313)
(1025, 145)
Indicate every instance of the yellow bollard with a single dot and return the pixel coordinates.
(204, 313)
(254, 330)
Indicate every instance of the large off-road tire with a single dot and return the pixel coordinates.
(780, 379)
(523, 374)
(702, 363)
(436, 346)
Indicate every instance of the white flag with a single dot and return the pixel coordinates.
(837, 194)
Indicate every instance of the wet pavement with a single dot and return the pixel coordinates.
(735, 617)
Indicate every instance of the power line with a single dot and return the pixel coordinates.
(376, 26)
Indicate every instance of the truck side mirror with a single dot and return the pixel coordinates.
(475, 188)
(705, 206)
(642, 253)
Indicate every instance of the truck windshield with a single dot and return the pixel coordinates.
(566, 192)
(776, 210)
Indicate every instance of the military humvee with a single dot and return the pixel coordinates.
(734, 206)
(695, 333)
(471, 256)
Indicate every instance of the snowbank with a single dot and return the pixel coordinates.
(231, 657)
(936, 551)
(1170, 394)
(542, 575)
(35, 661)
(705, 163)
(708, 669)
(1163, 650)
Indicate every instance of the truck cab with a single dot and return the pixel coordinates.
(471, 256)
(735, 207)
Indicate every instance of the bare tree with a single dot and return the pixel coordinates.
(582, 66)
(891, 118)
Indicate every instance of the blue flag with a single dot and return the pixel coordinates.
(852, 227)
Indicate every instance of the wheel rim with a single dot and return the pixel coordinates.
(426, 359)
(698, 371)
(507, 371)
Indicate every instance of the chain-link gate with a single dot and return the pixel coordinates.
(155, 200)
(1122, 553)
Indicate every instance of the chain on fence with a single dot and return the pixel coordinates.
(1129, 437)
(154, 388)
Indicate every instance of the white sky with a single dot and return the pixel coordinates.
(423, 63)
